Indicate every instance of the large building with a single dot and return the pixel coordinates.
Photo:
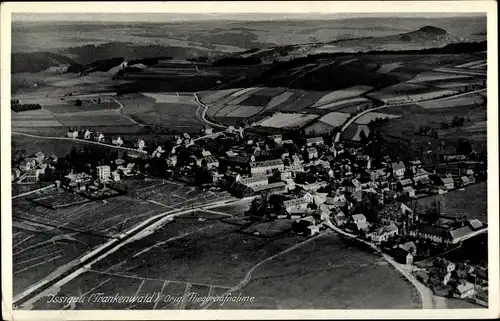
(266, 167)
(103, 172)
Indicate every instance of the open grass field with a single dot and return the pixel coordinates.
(400, 135)
(471, 202)
(342, 94)
(327, 273)
(344, 103)
(69, 105)
(435, 75)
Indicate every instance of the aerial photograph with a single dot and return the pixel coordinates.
(164, 161)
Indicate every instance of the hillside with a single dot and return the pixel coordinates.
(37, 61)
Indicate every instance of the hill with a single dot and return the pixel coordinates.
(37, 61)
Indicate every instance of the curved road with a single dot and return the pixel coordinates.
(353, 119)
(201, 113)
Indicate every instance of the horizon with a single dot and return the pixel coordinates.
(214, 17)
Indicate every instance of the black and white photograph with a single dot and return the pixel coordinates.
(327, 160)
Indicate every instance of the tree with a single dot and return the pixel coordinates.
(464, 147)
(78, 102)
(363, 136)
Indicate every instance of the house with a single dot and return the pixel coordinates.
(415, 166)
(402, 256)
(313, 230)
(268, 166)
(338, 216)
(258, 180)
(29, 177)
(208, 130)
(312, 153)
(409, 247)
(378, 174)
(409, 191)
(314, 141)
(352, 185)
(296, 205)
(462, 181)
(364, 161)
(99, 137)
(396, 213)
(432, 233)
(448, 183)
(103, 172)
(140, 144)
(72, 134)
(87, 134)
(358, 218)
(403, 183)
(171, 161)
(276, 138)
(465, 290)
(211, 162)
(118, 141)
(442, 275)
(40, 157)
(274, 188)
(383, 233)
(398, 169)
(115, 176)
(285, 175)
(444, 264)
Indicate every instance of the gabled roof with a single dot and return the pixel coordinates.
(475, 224)
(293, 202)
(266, 163)
(358, 217)
(397, 165)
(314, 140)
(448, 180)
(269, 186)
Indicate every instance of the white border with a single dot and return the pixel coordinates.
(284, 8)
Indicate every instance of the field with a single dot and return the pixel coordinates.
(400, 135)
(327, 123)
(341, 104)
(471, 202)
(40, 250)
(467, 100)
(60, 199)
(281, 120)
(353, 132)
(368, 117)
(209, 257)
(337, 95)
(407, 89)
(333, 274)
(435, 75)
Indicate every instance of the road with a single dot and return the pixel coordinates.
(77, 141)
(353, 119)
(201, 113)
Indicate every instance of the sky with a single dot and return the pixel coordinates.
(171, 17)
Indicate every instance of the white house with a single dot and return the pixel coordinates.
(140, 144)
(118, 141)
(103, 172)
(383, 233)
(314, 141)
(266, 166)
(87, 134)
(312, 153)
(99, 137)
(72, 134)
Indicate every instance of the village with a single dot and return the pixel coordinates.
(314, 181)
